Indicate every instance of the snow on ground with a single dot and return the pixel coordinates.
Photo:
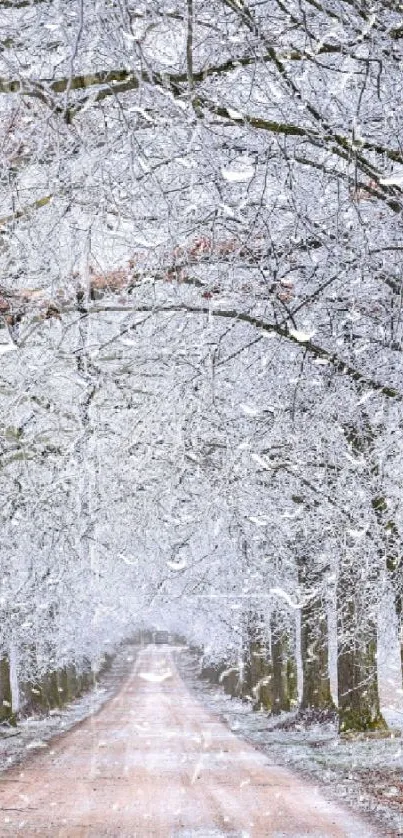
(366, 774)
(32, 734)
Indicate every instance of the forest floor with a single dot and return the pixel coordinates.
(153, 761)
(365, 773)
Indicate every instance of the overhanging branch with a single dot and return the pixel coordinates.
(316, 351)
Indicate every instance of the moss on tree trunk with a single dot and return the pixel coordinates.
(71, 683)
(392, 549)
(256, 675)
(292, 681)
(357, 665)
(229, 679)
(63, 685)
(316, 693)
(6, 698)
(44, 694)
(284, 669)
(211, 673)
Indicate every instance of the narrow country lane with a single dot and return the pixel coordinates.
(154, 762)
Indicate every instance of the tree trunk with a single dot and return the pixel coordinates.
(401, 642)
(394, 560)
(316, 692)
(73, 689)
(356, 666)
(292, 681)
(54, 697)
(86, 678)
(261, 676)
(211, 672)
(284, 676)
(256, 669)
(6, 699)
(14, 682)
(44, 694)
(63, 685)
(230, 681)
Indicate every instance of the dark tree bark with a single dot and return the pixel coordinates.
(357, 665)
(229, 679)
(6, 698)
(316, 693)
(256, 670)
(284, 669)
(394, 560)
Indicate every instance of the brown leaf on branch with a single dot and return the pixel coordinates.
(113, 281)
(4, 305)
(363, 193)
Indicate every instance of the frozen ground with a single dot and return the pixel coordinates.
(367, 774)
(155, 762)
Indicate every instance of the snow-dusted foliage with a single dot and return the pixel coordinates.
(201, 387)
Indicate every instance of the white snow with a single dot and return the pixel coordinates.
(301, 336)
(238, 175)
(155, 677)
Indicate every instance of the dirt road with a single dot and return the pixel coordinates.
(154, 762)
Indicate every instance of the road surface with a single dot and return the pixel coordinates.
(154, 762)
